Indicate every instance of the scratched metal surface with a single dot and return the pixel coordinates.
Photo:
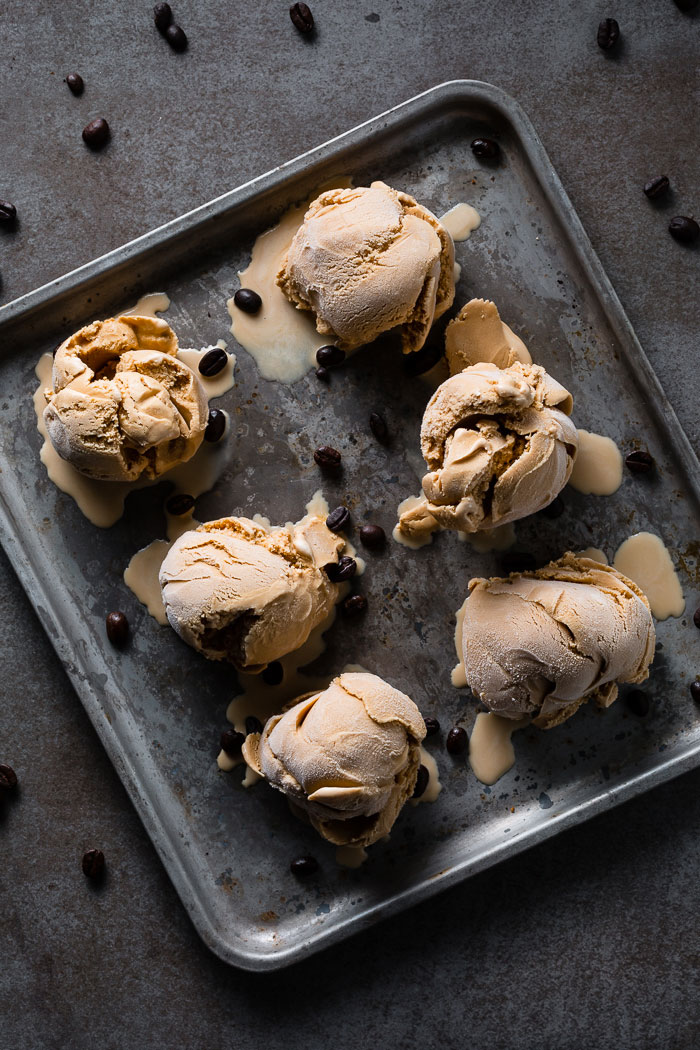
(159, 708)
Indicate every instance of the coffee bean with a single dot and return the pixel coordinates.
(342, 570)
(179, 504)
(247, 300)
(96, 133)
(117, 628)
(695, 692)
(330, 356)
(372, 537)
(176, 37)
(93, 863)
(421, 782)
(213, 362)
(485, 149)
(354, 605)
(657, 187)
(304, 866)
(253, 725)
(76, 83)
(379, 428)
(323, 374)
(8, 212)
(696, 617)
(162, 16)
(686, 5)
(302, 18)
(457, 740)
(231, 742)
(328, 459)
(684, 229)
(555, 509)
(517, 561)
(608, 34)
(638, 703)
(432, 726)
(639, 462)
(420, 361)
(338, 519)
(216, 426)
(8, 778)
(273, 673)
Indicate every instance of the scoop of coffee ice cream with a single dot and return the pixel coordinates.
(499, 445)
(369, 259)
(122, 404)
(348, 756)
(238, 591)
(478, 335)
(541, 643)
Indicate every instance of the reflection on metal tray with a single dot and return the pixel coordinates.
(159, 708)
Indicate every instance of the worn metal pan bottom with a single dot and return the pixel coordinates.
(159, 708)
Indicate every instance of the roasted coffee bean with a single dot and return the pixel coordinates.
(273, 673)
(93, 863)
(330, 356)
(684, 229)
(216, 426)
(341, 570)
(302, 18)
(247, 300)
(162, 16)
(517, 561)
(8, 778)
(379, 428)
(303, 866)
(421, 782)
(176, 37)
(253, 725)
(457, 740)
(96, 133)
(372, 537)
(76, 83)
(432, 726)
(231, 742)
(485, 149)
(179, 504)
(323, 374)
(328, 459)
(213, 362)
(117, 628)
(608, 34)
(420, 361)
(338, 519)
(686, 5)
(638, 703)
(696, 617)
(657, 187)
(8, 212)
(695, 692)
(354, 605)
(639, 462)
(555, 509)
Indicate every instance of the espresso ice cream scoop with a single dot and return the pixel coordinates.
(347, 756)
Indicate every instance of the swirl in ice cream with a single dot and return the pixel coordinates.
(369, 259)
(348, 756)
(122, 405)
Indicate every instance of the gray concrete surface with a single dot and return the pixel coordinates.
(588, 941)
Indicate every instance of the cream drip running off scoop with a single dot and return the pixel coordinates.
(370, 259)
(346, 757)
(542, 643)
(122, 405)
(499, 445)
(237, 590)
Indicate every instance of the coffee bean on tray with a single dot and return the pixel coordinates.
(372, 537)
(253, 725)
(696, 617)
(216, 425)
(303, 866)
(176, 37)
(457, 740)
(338, 519)
(695, 692)
(608, 34)
(342, 570)
(247, 300)
(93, 863)
(657, 187)
(379, 428)
(323, 374)
(432, 726)
(179, 504)
(8, 778)
(328, 459)
(302, 18)
(421, 782)
(639, 462)
(8, 213)
(330, 356)
(117, 628)
(96, 133)
(684, 229)
(485, 149)
(354, 605)
(213, 362)
(76, 83)
(162, 16)
(231, 742)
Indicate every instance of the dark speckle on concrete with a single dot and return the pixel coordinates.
(545, 801)
(374, 17)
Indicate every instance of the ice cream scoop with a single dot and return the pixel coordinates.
(122, 405)
(541, 643)
(238, 591)
(348, 756)
(498, 443)
(478, 335)
(369, 259)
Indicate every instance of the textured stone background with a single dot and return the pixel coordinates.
(590, 940)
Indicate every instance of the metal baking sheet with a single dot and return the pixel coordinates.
(158, 708)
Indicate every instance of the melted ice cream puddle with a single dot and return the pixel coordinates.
(350, 856)
(434, 787)
(461, 221)
(150, 305)
(491, 752)
(598, 465)
(595, 554)
(646, 560)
